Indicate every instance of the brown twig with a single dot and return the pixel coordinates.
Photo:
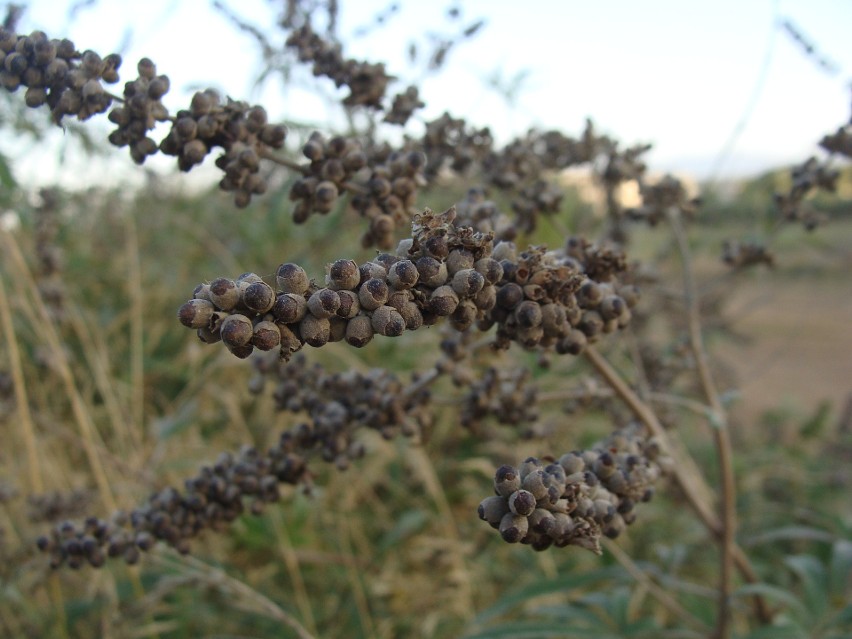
(719, 423)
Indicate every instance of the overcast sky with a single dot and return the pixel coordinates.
(682, 75)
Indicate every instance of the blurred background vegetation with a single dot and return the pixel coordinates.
(392, 547)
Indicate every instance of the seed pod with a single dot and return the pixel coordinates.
(224, 293)
(412, 316)
(572, 463)
(387, 321)
(436, 247)
(236, 330)
(528, 314)
(403, 274)
(196, 313)
(443, 301)
(464, 316)
(611, 307)
(349, 304)
(289, 308)
(604, 465)
(505, 251)
(522, 502)
(591, 324)
(590, 295)
(343, 275)
(529, 465)
(553, 320)
(266, 336)
(541, 521)
(359, 331)
(630, 294)
(492, 510)
(292, 278)
(432, 272)
(208, 335)
(314, 330)
(506, 480)
(372, 270)
(324, 303)
(490, 269)
(573, 343)
(486, 299)
(373, 294)
(513, 527)
(459, 259)
(467, 282)
(258, 296)
(536, 483)
(509, 295)
(337, 329)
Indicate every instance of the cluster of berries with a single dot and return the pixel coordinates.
(367, 83)
(338, 404)
(537, 298)
(56, 74)
(577, 498)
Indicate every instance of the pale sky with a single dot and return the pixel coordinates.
(681, 75)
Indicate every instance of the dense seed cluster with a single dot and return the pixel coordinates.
(668, 193)
(404, 105)
(214, 497)
(505, 395)
(140, 112)
(839, 142)
(367, 83)
(337, 405)
(56, 74)
(561, 299)
(807, 177)
(575, 500)
(240, 129)
(745, 254)
(384, 184)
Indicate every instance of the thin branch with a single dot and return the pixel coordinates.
(719, 422)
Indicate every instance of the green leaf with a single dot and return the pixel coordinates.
(791, 631)
(540, 630)
(791, 533)
(811, 573)
(558, 585)
(840, 569)
(776, 594)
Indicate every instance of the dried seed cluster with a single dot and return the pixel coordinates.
(562, 299)
(579, 497)
(404, 105)
(70, 83)
(503, 394)
(668, 193)
(337, 405)
(240, 129)
(140, 112)
(807, 177)
(384, 184)
(366, 82)
(56, 74)
(210, 500)
(745, 254)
